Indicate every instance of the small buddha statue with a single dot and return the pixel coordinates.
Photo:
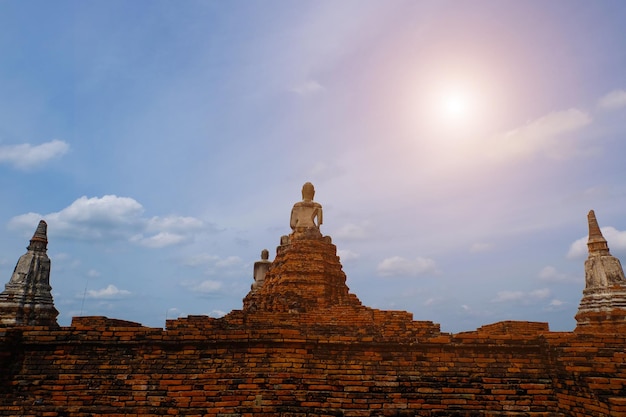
(260, 269)
(306, 215)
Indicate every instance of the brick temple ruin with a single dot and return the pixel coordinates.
(304, 346)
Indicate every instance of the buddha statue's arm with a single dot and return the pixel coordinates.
(293, 219)
(317, 212)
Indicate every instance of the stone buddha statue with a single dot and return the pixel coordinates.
(260, 269)
(306, 215)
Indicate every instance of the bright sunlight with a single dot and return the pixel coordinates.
(456, 108)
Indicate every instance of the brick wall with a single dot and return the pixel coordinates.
(244, 365)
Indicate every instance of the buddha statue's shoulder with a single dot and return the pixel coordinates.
(307, 204)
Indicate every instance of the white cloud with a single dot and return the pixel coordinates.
(27, 156)
(480, 247)
(201, 259)
(613, 100)
(555, 305)
(217, 313)
(212, 261)
(347, 255)
(159, 240)
(540, 293)
(578, 249)
(351, 231)
(398, 266)
(308, 88)
(433, 301)
(540, 134)
(173, 312)
(92, 273)
(228, 262)
(88, 218)
(109, 292)
(616, 239)
(521, 296)
(550, 273)
(113, 217)
(174, 224)
(551, 125)
(505, 296)
(206, 287)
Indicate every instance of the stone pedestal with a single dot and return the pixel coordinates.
(305, 276)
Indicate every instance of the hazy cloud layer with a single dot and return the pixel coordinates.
(113, 217)
(521, 296)
(213, 265)
(398, 266)
(539, 136)
(480, 247)
(613, 100)
(551, 274)
(205, 259)
(27, 156)
(350, 231)
(308, 88)
(92, 273)
(204, 287)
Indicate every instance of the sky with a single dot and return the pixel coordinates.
(456, 148)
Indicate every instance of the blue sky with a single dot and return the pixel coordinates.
(456, 148)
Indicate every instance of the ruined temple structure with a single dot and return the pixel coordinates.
(304, 346)
(604, 296)
(26, 299)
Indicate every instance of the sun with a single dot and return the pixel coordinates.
(450, 108)
(456, 107)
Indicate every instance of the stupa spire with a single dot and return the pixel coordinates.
(27, 298)
(596, 244)
(603, 305)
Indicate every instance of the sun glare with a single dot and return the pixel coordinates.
(455, 107)
(452, 108)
